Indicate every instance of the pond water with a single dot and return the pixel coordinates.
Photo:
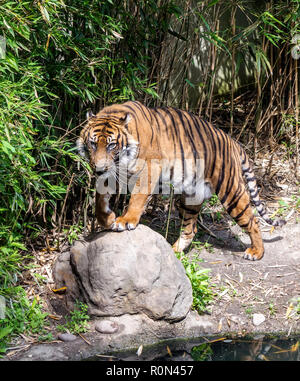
(259, 348)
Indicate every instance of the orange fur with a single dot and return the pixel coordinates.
(136, 135)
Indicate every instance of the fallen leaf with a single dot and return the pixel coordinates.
(54, 317)
(241, 277)
(140, 350)
(223, 293)
(289, 310)
(169, 351)
(220, 339)
(220, 325)
(116, 34)
(48, 249)
(59, 290)
(263, 357)
(86, 340)
(295, 347)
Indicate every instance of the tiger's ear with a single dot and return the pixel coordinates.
(126, 119)
(89, 114)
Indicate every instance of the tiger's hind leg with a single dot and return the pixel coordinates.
(188, 215)
(240, 210)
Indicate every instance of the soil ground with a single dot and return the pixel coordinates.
(270, 286)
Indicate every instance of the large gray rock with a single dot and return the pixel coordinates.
(126, 272)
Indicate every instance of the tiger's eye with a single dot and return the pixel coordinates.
(93, 145)
(111, 146)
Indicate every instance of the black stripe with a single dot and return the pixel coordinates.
(196, 125)
(229, 184)
(223, 158)
(212, 135)
(109, 130)
(244, 158)
(171, 173)
(186, 131)
(122, 142)
(248, 223)
(109, 112)
(235, 200)
(178, 137)
(134, 116)
(163, 119)
(157, 125)
(246, 170)
(255, 194)
(142, 108)
(242, 212)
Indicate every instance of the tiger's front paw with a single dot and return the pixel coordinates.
(253, 254)
(124, 223)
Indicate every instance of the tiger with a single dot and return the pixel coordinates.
(134, 136)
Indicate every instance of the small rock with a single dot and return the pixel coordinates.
(258, 319)
(66, 337)
(106, 326)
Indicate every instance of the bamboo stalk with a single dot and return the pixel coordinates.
(208, 111)
(233, 66)
(172, 64)
(271, 134)
(213, 76)
(258, 113)
(296, 119)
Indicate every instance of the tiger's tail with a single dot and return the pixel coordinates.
(253, 189)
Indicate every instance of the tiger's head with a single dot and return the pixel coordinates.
(107, 142)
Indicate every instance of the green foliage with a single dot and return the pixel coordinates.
(272, 309)
(200, 281)
(72, 233)
(203, 245)
(65, 57)
(21, 315)
(60, 58)
(77, 321)
(202, 352)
